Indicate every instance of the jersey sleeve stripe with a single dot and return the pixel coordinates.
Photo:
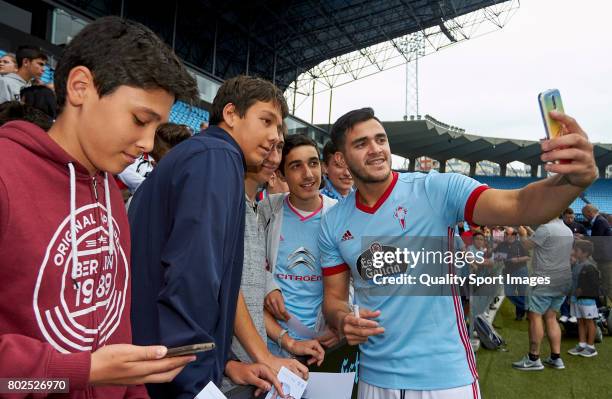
(330, 271)
(471, 203)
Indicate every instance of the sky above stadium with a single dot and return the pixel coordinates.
(489, 85)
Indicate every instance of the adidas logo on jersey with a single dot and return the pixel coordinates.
(347, 236)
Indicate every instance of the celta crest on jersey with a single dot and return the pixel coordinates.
(400, 214)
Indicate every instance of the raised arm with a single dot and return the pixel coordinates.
(541, 201)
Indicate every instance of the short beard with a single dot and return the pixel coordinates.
(357, 175)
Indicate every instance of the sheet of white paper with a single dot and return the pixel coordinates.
(300, 329)
(293, 386)
(329, 385)
(210, 391)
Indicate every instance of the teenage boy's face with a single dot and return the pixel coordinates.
(35, 67)
(270, 164)
(367, 152)
(117, 128)
(339, 175)
(257, 131)
(303, 172)
(265, 171)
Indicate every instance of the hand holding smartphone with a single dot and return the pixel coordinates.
(190, 349)
(550, 100)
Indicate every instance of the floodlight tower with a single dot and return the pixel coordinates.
(413, 48)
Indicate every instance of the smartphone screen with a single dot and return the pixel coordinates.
(190, 349)
(550, 100)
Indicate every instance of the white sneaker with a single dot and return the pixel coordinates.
(576, 350)
(556, 364)
(528, 365)
(563, 319)
(588, 352)
(573, 319)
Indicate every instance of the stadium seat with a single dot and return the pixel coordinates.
(599, 194)
(185, 114)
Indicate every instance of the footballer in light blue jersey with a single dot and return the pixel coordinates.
(413, 342)
(425, 345)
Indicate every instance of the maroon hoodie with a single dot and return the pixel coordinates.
(53, 315)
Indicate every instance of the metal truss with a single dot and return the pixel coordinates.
(359, 64)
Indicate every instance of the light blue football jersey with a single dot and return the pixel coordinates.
(425, 345)
(298, 269)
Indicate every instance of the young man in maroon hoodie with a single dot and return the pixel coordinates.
(64, 235)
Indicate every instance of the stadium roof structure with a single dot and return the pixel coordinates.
(434, 139)
(281, 39)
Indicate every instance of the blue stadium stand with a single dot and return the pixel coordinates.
(599, 194)
(184, 114)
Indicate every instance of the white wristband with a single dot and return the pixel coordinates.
(279, 340)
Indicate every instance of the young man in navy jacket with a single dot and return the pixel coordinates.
(187, 224)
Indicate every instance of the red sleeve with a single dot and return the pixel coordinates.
(471, 204)
(25, 357)
(136, 392)
(330, 271)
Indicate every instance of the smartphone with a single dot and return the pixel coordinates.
(550, 100)
(190, 349)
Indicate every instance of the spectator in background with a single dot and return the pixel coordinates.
(337, 180)
(15, 110)
(497, 233)
(569, 218)
(42, 98)
(515, 258)
(583, 306)
(480, 297)
(601, 237)
(8, 64)
(552, 247)
(466, 233)
(167, 136)
(31, 63)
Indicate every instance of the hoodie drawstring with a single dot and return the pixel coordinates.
(73, 240)
(109, 216)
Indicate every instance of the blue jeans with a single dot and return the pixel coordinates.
(516, 292)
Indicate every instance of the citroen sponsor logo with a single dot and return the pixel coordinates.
(302, 256)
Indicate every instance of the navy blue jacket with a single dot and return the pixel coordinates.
(601, 236)
(187, 226)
